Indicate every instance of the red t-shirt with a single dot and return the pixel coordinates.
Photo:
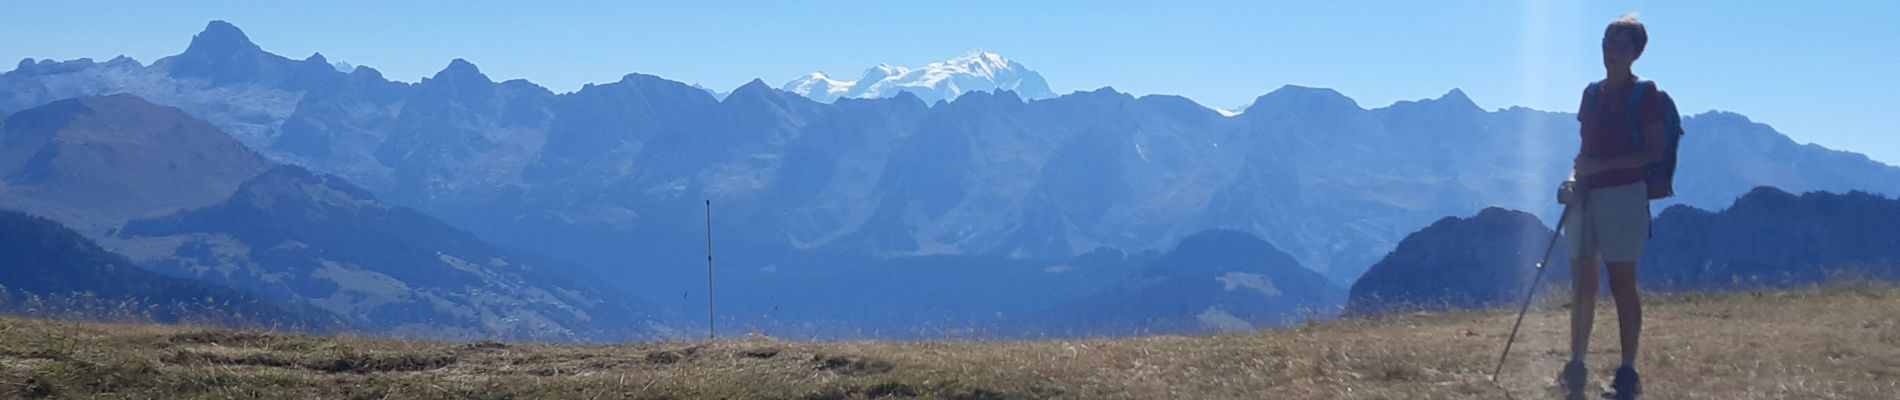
(1606, 129)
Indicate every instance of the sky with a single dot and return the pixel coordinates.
(1821, 72)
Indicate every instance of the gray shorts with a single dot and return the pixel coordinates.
(1611, 224)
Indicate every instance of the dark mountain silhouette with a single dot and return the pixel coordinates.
(1483, 261)
(1771, 238)
(1768, 238)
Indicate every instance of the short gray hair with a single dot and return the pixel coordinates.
(1629, 25)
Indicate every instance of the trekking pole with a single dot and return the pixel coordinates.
(1531, 292)
(711, 331)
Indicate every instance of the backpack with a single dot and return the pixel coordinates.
(1659, 176)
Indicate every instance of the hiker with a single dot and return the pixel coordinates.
(1608, 199)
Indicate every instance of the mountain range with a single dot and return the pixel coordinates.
(182, 198)
(303, 238)
(614, 178)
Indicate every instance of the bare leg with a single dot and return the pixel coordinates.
(1583, 304)
(1629, 308)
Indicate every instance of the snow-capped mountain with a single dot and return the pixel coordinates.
(975, 71)
(611, 177)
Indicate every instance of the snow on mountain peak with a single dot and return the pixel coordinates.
(818, 86)
(883, 70)
(984, 63)
(977, 70)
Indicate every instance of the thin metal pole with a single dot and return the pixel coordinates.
(710, 332)
(1531, 292)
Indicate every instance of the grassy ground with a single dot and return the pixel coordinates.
(1840, 342)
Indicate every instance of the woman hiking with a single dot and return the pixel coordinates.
(1609, 202)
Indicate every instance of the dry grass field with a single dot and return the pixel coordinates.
(1839, 342)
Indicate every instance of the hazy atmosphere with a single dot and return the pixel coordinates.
(1817, 73)
(973, 200)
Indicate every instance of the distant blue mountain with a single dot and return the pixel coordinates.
(184, 199)
(298, 237)
(941, 296)
(1214, 281)
(94, 163)
(52, 271)
(614, 176)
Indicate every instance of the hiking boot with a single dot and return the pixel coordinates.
(1628, 384)
(1573, 379)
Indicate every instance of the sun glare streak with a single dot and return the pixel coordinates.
(1533, 83)
(1543, 68)
(1535, 52)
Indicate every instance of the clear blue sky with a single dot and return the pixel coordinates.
(1826, 72)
